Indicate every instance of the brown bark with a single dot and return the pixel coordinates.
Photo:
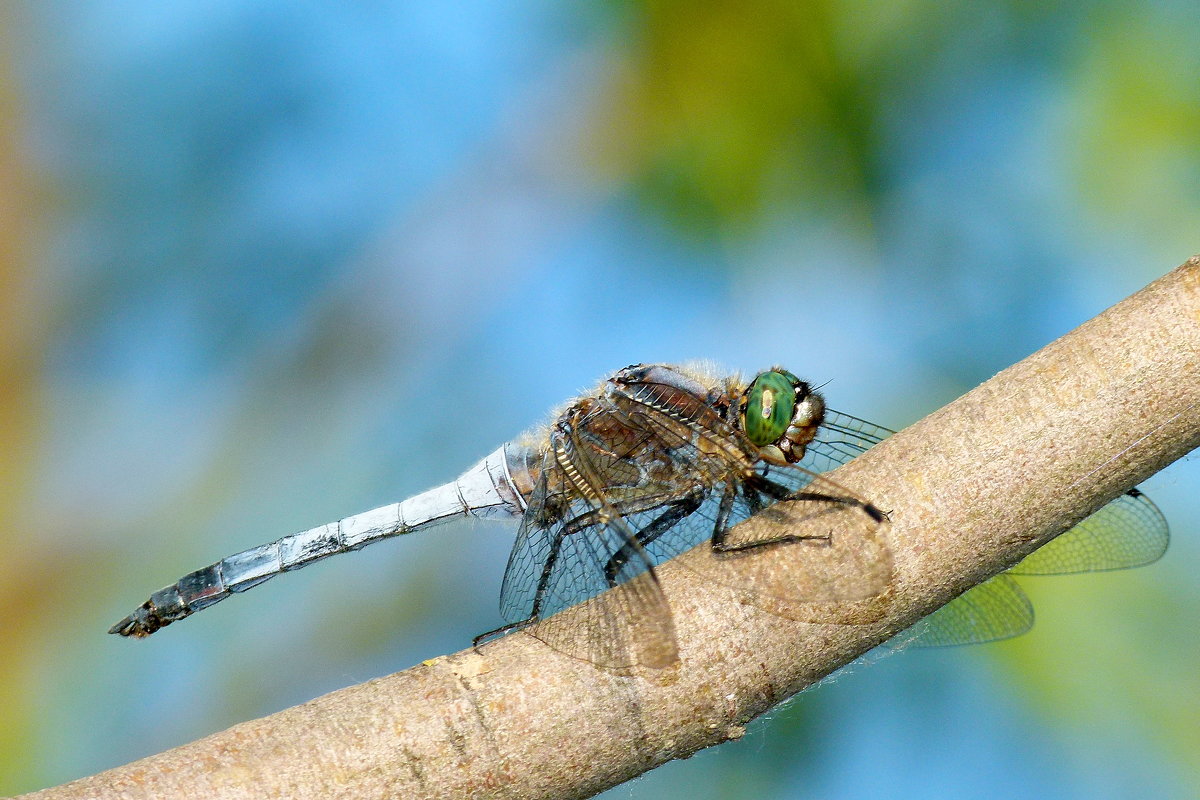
(971, 489)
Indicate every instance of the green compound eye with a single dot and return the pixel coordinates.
(770, 404)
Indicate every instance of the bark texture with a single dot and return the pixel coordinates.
(971, 489)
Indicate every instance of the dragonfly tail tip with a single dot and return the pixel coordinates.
(138, 625)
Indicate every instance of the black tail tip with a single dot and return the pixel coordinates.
(140, 624)
(125, 627)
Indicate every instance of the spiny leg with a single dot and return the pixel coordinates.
(622, 507)
(754, 502)
(758, 483)
(721, 523)
(574, 526)
(780, 492)
(675, 512)
(538, 597)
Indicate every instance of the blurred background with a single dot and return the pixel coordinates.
(266, 264)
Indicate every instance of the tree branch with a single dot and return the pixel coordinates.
(971, 489)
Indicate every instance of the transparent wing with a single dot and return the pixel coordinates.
(834, 556)
(531, 551)
(836, 565)
(995, 609)
(1128, 532)
(840, 438)
(575, 548)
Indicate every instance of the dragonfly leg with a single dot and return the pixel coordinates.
(675, 512)
(623, 508)
(486, 637)
(576, 526)
(726, 508)
(754, 501)
(678, 510)
(780, 492)
(721, 545)
(538, 597)
(777, 491)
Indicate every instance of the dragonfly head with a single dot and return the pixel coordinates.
(780, 415)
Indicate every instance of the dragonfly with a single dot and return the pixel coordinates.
(658, 460)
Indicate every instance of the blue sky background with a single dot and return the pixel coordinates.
(284, 262)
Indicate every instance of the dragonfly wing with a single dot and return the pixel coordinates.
(574, 547)
(619, 628)
(840, 438)
(529, 553)
(1128, 532)
(995, 609)
(836, 567)
(838, 555)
